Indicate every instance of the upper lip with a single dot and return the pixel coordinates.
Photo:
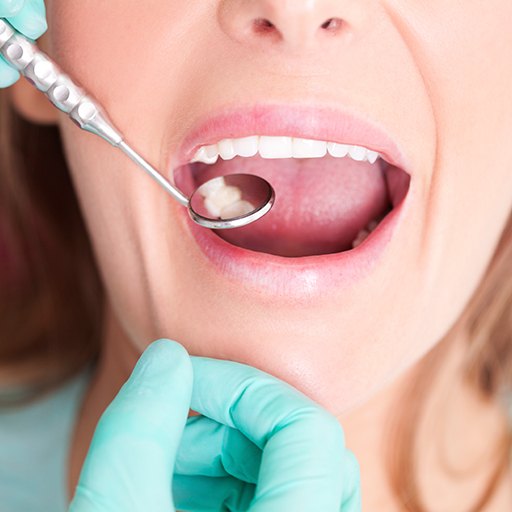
(333, 124)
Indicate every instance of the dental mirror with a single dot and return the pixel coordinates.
(231, 201)
(221, 203)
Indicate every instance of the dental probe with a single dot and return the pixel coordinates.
(244, 198)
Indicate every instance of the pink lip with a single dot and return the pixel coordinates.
(300, 279)
(320, 123)
(305, 278)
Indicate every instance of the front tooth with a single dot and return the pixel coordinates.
(246, 147)
(358, 153)
(226, 149)
(337, 150)
(275, 147)
(307, 148)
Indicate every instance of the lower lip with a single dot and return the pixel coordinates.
(300, 279)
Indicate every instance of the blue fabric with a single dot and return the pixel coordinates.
(34, 445)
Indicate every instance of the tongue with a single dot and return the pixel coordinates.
(321, 203)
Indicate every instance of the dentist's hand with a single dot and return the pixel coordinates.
(27, 17)
(259, 444)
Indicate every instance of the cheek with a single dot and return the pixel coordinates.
(88, 38)
(105, 47)
(106, 53)
(469, 77)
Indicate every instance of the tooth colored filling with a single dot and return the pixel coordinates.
(224, 201)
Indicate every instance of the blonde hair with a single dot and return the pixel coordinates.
(51, 304)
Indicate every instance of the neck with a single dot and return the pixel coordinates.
(458, 430)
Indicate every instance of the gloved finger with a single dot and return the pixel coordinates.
(8, 75)
(129, 465)
(30, 20)
(351, 501)
(10, 7)
(210, 494)
(303, 445)
(212, 449)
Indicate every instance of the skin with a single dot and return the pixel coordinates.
(443, 91)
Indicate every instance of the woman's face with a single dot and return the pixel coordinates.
(434, 76)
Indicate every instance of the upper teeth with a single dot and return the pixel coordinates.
(281, 147)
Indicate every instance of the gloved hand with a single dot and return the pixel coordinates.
(258, 445)
(27, 17)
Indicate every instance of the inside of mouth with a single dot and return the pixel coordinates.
(323, 205)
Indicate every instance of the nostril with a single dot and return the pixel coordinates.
(332, 24)
(294, 34)
(263, 25)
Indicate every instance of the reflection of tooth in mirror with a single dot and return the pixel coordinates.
(220, 198)
(212, 209)
(237, 209)
(210, 187)
(231, 201)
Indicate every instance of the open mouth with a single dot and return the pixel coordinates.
(330, 197)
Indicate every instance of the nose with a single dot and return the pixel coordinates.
(296, 24)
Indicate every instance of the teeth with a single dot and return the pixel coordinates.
(224, 201)
(226, 149)
(206, 155)
(338, 150)
(281, 147)
(211, 187)
(275, 147)
(372, 156)
(212, 152)
(246, 147)
(218, 199)
(307, 148)
(358, 153)
(364, 233)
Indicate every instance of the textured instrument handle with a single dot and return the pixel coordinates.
(44, 74)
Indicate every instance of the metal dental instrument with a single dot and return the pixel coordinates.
(253, 197)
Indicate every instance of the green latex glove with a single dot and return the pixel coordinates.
(259, 444)
(27, 17)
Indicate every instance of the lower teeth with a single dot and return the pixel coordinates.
(365, 233)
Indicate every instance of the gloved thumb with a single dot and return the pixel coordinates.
(130, 463)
